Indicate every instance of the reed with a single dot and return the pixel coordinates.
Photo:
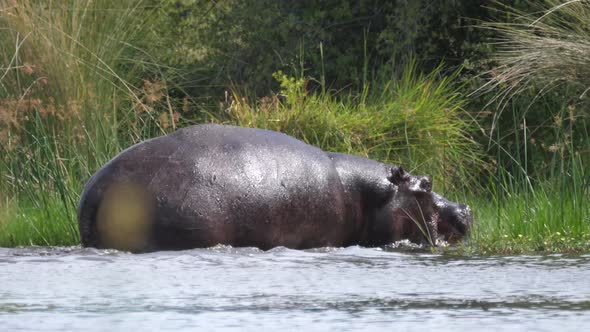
(70, 98)
(538, 195)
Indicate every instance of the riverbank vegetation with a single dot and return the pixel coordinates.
(495, 108)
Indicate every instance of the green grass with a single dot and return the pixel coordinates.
(28, 224)
(544, 220)
(538, 199)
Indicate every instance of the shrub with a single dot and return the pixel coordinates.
(246, 41)
(415, 120)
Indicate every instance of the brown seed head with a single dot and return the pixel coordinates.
(4, 136)
(185, 107)
(27, 68)
(571, 109)
(175, 117)
(163, 120)
(153, 91)
(73, 109)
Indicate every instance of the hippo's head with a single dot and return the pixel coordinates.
(420, 215)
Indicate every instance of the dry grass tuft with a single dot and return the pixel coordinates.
(543, 49)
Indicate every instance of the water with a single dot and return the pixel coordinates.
(345, 289)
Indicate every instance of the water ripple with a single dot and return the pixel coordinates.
(350, 288)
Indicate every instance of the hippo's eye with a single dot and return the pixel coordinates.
(397, 175)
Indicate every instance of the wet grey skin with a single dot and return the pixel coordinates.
(213, 184)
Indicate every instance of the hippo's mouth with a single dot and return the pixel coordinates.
(454, 225)
(451, 236)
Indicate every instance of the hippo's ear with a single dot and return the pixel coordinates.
(397, 175)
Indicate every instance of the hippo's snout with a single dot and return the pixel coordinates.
(465, 219)
(454, 219)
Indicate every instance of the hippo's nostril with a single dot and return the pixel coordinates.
(467, 217)
(426, 183)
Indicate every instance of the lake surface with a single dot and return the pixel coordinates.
(344, 289)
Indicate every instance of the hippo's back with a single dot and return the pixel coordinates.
(211, 184)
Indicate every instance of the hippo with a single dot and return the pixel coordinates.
(213, 184)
